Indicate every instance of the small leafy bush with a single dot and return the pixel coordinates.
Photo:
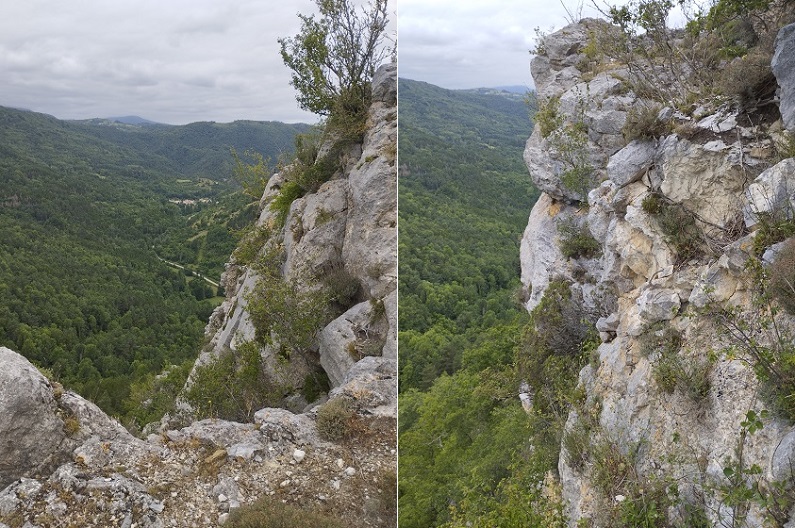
(748, 79)
(677, 224)
(672, 370)
(643, 123)
(763, 339)
(251, 243)
(71, 425)
(690, 376)
(613, 467)
(285, 313)
(548, 117)
(336, 419)
(576, 241)
(551, 356)
(232, 386)
(307, 172)
(577, 444)
(580, 179)
(773, 228)
(280, 204)
(343, 288)
(269, 512)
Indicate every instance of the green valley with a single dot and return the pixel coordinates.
(464, 198)
(87, 211)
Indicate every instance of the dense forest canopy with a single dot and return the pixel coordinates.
(86, 209)
(464, 199)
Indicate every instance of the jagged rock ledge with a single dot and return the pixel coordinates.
(722, 171)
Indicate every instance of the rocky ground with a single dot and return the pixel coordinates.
(197, 475)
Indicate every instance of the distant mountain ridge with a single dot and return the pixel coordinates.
(197, 149)
(133, 120)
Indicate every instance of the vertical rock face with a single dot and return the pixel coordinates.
(349, 226)
(674, 218)
(784, 70)
(30, 431)
(40, 424)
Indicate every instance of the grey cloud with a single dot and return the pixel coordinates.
(470, 43)
(175, 61)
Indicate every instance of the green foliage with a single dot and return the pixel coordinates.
(576, 443)
(678, 226)
(525, 499)
(285, 313)
(672, 370)
(232, 386)
(548, 117)
(336, 419)
(86, 209)
(762, 339)
(458, 442)
(576, 241)
(306, 173)
(725, 50)
(280, 204)
(773, 228)
(252, 176)
(155, 395)
(745, 485)
(342, 287)
(251, 242)
(464, 196)
(269, 512)
(334, 57)
(643, 123)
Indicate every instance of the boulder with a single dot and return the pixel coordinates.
(385, 84)
(703, 181)
(629, 164)
(371, 384)
(280, 425)
(315, 229)
(773, 191)
(32, 434)
(783, 65)
(340, 340)
(658, 305)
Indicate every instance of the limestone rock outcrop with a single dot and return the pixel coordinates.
(347, 227)
(784, 69)
(31, 430)
(676, 218)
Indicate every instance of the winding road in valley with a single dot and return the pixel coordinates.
(195, 273)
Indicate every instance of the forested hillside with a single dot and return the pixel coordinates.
(86, 209)
(464, 196)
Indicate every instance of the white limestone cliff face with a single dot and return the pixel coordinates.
(723, 175)
(349, 225)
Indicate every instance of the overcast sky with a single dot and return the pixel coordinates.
(173, 61)
(473, 43)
